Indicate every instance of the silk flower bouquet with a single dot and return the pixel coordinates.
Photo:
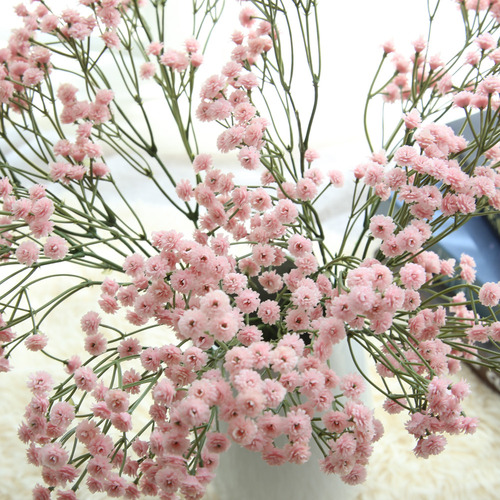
(250, 302)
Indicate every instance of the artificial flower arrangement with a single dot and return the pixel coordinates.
(255, 300)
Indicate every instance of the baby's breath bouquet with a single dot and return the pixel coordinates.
(250, 302)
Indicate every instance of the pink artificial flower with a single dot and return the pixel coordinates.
(352, 385)
(194, 358)
(224, 326)
(41, 227)
(73, 363)
(356, 475)
(306, 189)
(155, 48)
(170, 354)
(269, 312)
(283, 359)
(134, 265)
(388, 46)
(412, 300)
(147, 70)
(462, 99)
(310, 155)
(332, 328)
(260, 354)
(409, 239)
(155, 267)
(248, 81)
(202, 162)
(41, 493)
(90, 322)
(122, 421)
(150, 359)
(313, 382)
(231, 138)
(36, 342)
(99, 467)
(489, 294)
(27, 253)
(40, 382)
(95, 344)
(127, 295)
(299, 245)
(22, 208)
(115, 485)
(242, 430)
(260, 200)
(412, 119)
(108, 303)
(247, 17)
(431, 445)
(217, 442)
(192, 323)
(412, 276)
(53, 456)
(468, 273)
(55, 247)
(85, 378)
(86, 431)
(249, 335)
(298, 452)
(405, 156)
(215, 302)
(66, 495)
(130, 379)
(477, 333)
(117, 400)
(335, 421)
(263, 255)
(336, 178)
(168, 480)
(297, 320)
(485, 41)
(61, 414)
(382, 226)
(315, 175)
(250, 402)
(67, 93)
(306, 297)
(297, 425)
(374, 174)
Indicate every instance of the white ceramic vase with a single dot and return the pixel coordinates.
(244, 475)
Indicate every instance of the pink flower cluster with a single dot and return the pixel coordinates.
(106, 15)
(420, 73)
(87, 115)
(457, 192)
(444, 414)
(492, 6)
(34, 212)
(195, 288)
(6, 336)
(417, 71)
(227, 97)
(24, 64)
(44, 422)
(176, 60)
